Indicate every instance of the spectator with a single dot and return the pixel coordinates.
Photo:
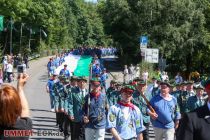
(131, 72)
(125, 73)
(25, 59)
(178, 78)
(14, 109)
(9, 71)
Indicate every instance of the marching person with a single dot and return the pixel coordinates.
(114, 96)
(103, 78)
(50, 67)
(68, 126)
(139, 101)
(190, 90)
(195, 125)
(124, 119)
(95, 112)
(183, 98)
(111, 88)
(49, 88)
(166, 117)
(96, 70)
(197, 100)
(60, 96)
(76, 102)
(65, 71)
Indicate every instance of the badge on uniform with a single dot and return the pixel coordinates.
(112, 117)
(137, 123)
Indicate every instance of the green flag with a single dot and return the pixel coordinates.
(83, 66)
(1, 23)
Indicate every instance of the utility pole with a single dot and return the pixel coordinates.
(21, 33)
(29, 42)
(11, 26)
(40, 35)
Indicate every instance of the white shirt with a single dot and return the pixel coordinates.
(83, 92)
(168, 98)
(9, 68)
(125, 71)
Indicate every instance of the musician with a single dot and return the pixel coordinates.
(166, 116)
(124, 119)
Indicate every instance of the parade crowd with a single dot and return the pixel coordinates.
(86, 108)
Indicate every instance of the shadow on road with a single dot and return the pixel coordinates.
(42, 125)
(44, 78)
(43, 117)
(40, 110)
(43, 120)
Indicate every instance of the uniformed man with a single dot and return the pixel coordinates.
(76, 103)
(95, 112)
(60, 96)
(111, 88)
(67, 121)
(196, 101)
(65, 71)
(114, 96)
(139, 101)
(103, 78)
(190, 90)
(49, 87)
(124, 119)
(183, 98)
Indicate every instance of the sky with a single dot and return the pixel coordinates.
(91, 1)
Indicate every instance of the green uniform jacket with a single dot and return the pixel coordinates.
(60, 95)
(193, 102)
(139, 101)
(183, 101)
(113, 97)
(68, 89)
(76, 102)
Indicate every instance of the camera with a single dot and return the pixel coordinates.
(20, 68)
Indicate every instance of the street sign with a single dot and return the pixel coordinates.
(143, 41)
(152, 55)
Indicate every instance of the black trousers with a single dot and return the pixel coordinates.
(60, 120)
(146, 131)
(67, 126)
(78, 131)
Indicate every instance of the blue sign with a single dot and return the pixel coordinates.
(144, 39)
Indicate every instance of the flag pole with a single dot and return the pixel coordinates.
(90, 77)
